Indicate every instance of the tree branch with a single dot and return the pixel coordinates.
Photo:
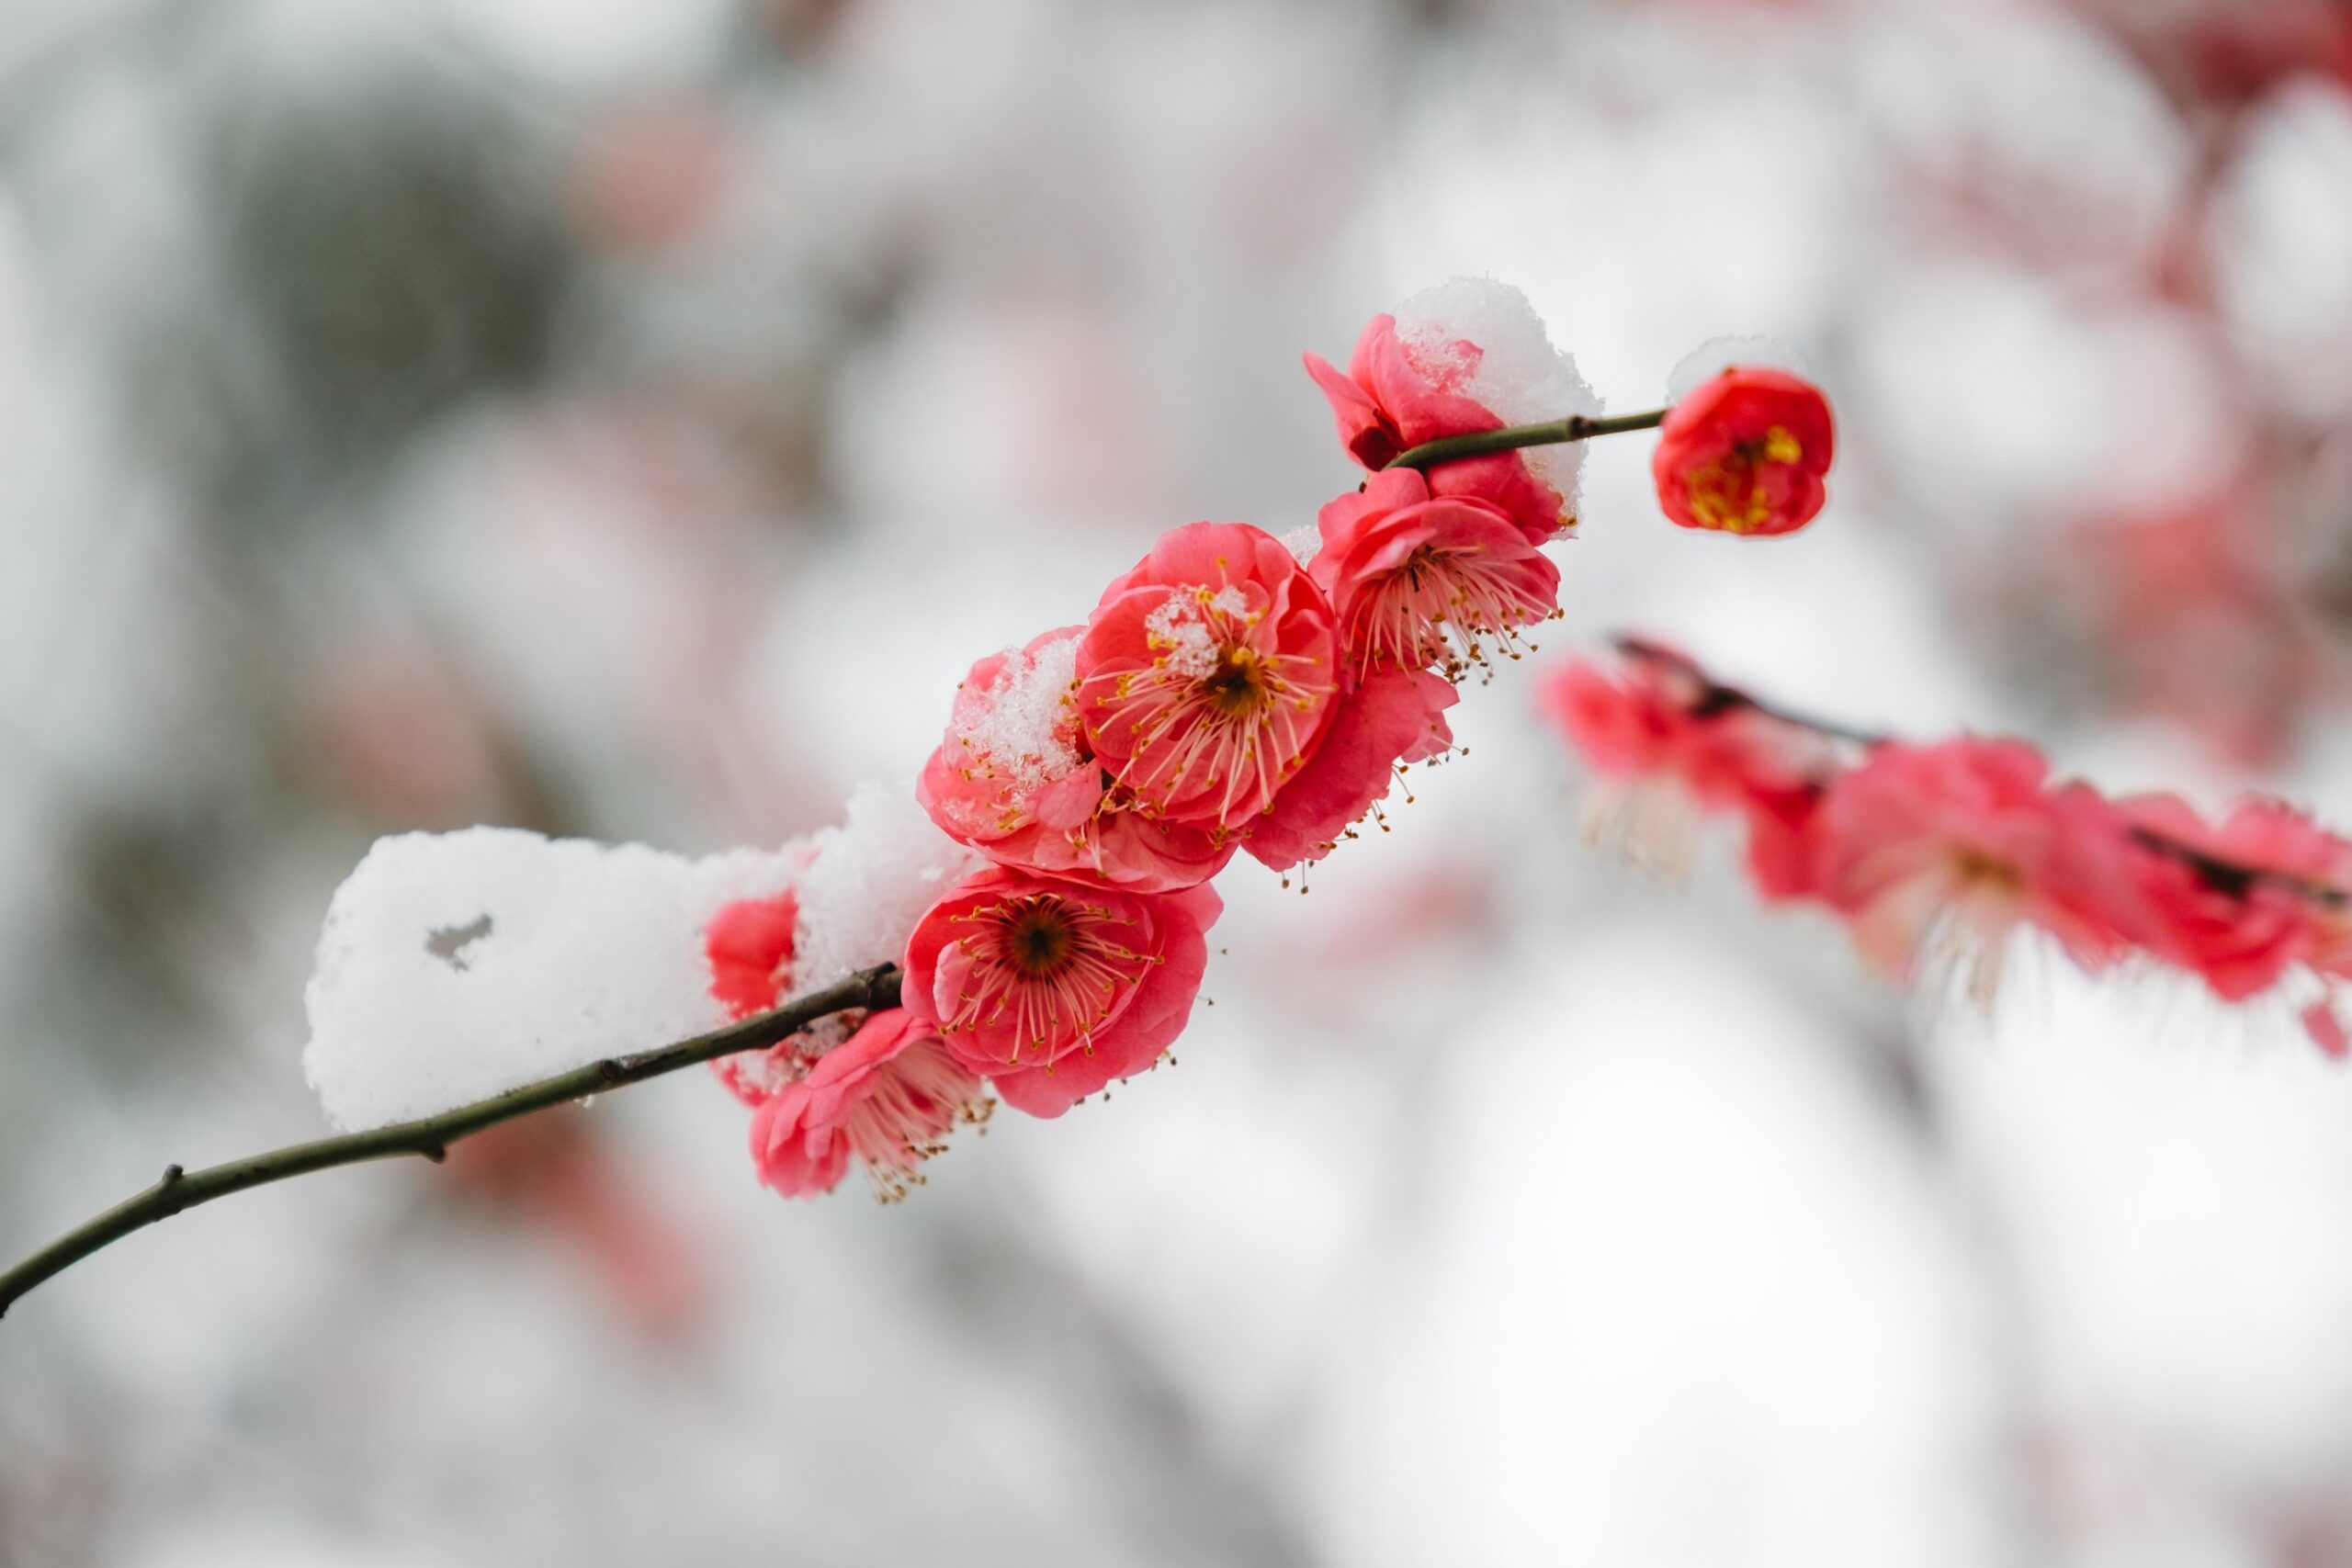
(431, 1136)
(1511, 437)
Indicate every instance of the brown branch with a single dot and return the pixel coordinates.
(1511, 437)
(430, 1137)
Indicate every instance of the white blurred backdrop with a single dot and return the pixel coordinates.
(631, 420)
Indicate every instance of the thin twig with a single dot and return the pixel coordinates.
(430, 1137)
(1511, 437)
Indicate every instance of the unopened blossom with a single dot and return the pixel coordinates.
(1208, 676)
(1746, 453)
(1963, 841)
(1016, 778)
(1420, 580)
(885, 1097)
(1387, 719)
(749, 945)
(1051, 989)
(1395, 395)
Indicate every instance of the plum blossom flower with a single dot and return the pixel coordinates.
(1207, 676)
(1960, 841)
(2203, 908)
(1420, 580)
(1395, 395)
(1017, 779)
(1052, 988)
(1745, 453)
(749, 944)
(2242, 902)
(1389, 718)
(885, 1097)
(1660, 721)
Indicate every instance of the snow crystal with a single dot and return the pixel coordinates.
(1519, 373)
(1181, 627)
(872, 879)
(1018, 724)
(1717, 355)
(455, 966)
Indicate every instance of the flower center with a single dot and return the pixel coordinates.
(1729, 494)
(1038, 940)
(1238, 686)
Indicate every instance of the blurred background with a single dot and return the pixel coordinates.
(629, 419)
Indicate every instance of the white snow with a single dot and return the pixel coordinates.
(1717, 355)
(872, 879)
(1017, 724)
(1179, 627)
(454, 966)
(1519, 373)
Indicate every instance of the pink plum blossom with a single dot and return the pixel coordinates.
(1395, 395)
(1420, 580)
(1016, 779)
(1389, 718)
(1207, 676)
(884, 1096)
(1745, 453)
(1055, 988)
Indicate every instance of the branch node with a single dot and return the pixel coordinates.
(172, 1175)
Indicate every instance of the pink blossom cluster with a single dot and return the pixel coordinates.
(1230, 694)
(1952, 845)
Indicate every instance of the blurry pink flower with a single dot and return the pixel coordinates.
(2204, 907)
(1393, 396)
(1389, 718)
(884, 1096)
(1207, 676)
(1016, 779)
(561, 1173)
(1054, 988)
(2265, 894)
(1745, 453)
(1962, 840)
(1419, 580)
(2325, 1029)
(1659, 719)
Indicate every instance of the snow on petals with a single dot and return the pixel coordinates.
(1052, 988)
(1208, 674)
(1467, 356)
(1016, 778)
